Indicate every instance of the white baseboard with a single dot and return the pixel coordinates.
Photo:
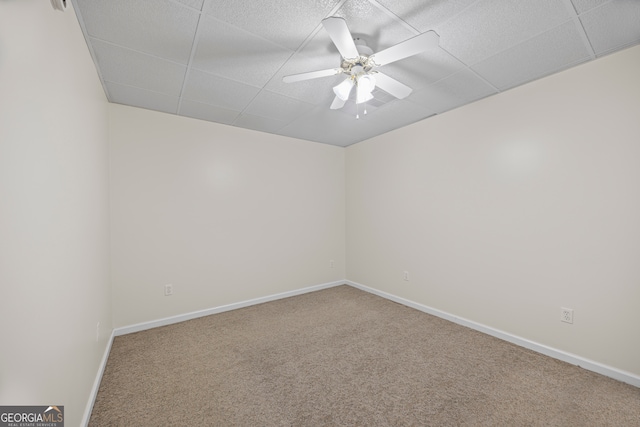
(96, 382)
(590, 365)
(620, 375)
(201, 313)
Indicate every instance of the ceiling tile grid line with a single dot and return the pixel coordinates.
(583, 34)
(613, 25)
(191, 55)
(521, 42)
(85, 33)
(137, 51)
(248, 109)
(579, 30)
(319, 27)
(558, 34)
(421, 5)
(224, 60)
(189, 5)
(599, 4)
(247, 31)
(395, 17)
(275, 75)
(585, 37)
(127, 66)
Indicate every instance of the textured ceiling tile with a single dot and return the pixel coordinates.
(425, 15)
(288, 23)
(461, 88)
(133, 68)
(388, 117)
(196, 4)
(544, 54)
(375, 27)
(161, 28)
(236, 54)
(243, 48)
(584, 5)
(321, 125)
(613, 26)
(136, 97)
(258, 123)
(491, 26)
(423, 69)
(213, 90)
(342, 128)
(278, 107)
(211, 113)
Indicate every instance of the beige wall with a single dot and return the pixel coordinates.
(53, 210)
(221, 213)
(512, 207)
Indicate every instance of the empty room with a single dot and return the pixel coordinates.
(320, 212)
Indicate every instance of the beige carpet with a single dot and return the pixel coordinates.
(341, 356)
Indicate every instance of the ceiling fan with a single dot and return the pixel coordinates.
(359, 63)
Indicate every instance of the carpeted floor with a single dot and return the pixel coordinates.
(342, 356)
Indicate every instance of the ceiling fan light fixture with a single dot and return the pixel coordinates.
(343, 90)
(363, 97)
(359, 62)
(366, 85)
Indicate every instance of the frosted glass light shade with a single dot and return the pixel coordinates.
(366, 84)
(343, 90)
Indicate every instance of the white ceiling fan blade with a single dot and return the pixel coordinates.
(311, 75)
(337, 103)
(341, 37)
(407, 48)
(392, 86)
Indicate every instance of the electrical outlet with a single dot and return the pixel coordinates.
(566, 315)
(405, 276)
(332, 264)
(168, 290)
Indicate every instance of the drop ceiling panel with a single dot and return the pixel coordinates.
(224, 60)
(613, 26)
(236, 54)
(491, 26)
(211, 113)
(278, 107)
(452, 92)
(584, 5)
(261, 124)
(196, 4)
(165, 30)
(136, 97)
(131, 68)
(213, 90)
(425, 15)
(286, 25)
(544, 54)
(421, 70)
(378, 29)
(323, 125)
(402, 112)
